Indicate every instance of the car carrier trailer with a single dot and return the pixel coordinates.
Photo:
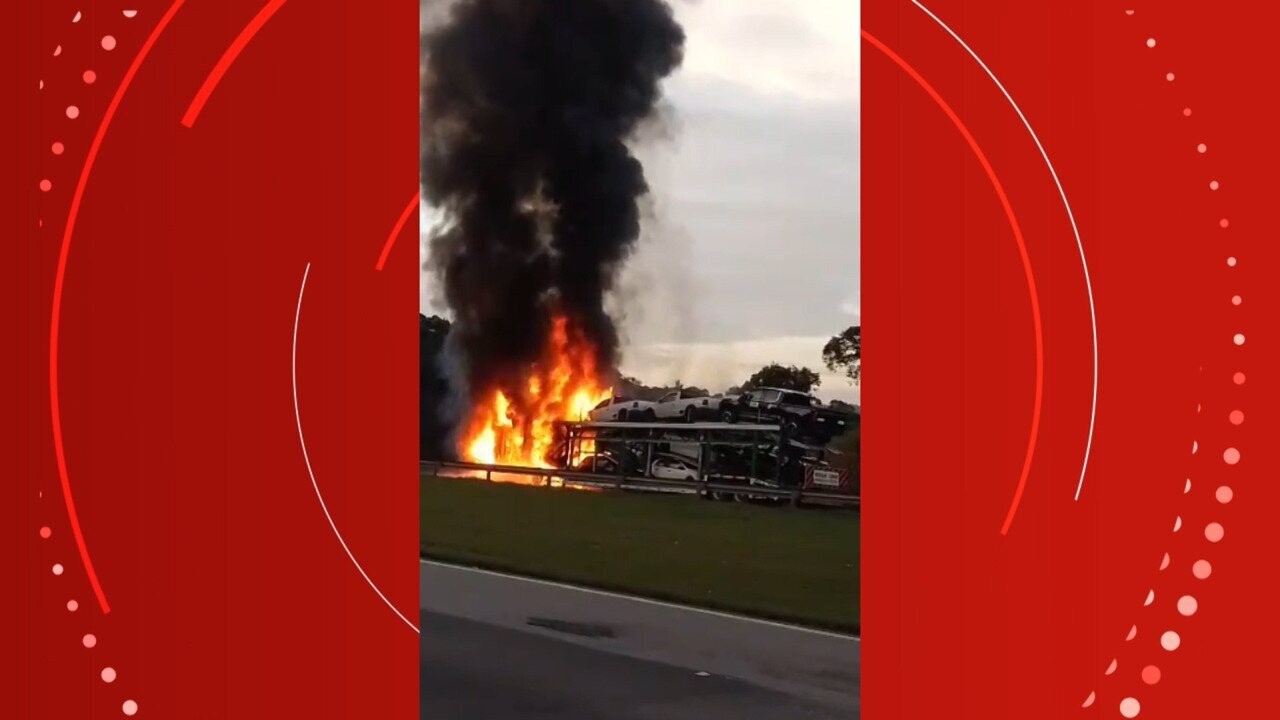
(738, 453)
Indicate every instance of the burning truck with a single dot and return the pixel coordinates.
(527, 110)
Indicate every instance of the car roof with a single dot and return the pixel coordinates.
(798, 392)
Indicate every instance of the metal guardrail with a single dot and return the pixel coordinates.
(703, 488)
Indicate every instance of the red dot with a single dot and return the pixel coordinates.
(1151, 674)
(45, 532)
(45, 186)
(1238, 378)
(1223, 222)
(58, 148)
(1236, 417)
(90, 76)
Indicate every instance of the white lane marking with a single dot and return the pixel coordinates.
(1084, 265)
(307, 458)
(643, 600)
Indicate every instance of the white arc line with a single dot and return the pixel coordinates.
(1084, 265)
(307, 458)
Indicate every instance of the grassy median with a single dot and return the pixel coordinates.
(774, 562)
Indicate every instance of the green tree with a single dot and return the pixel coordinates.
(843, 353)
(786, 377)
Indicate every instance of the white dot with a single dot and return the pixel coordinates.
(130, 13)
(1231, 261)
(108, 674)
(108, 42)
(129, 707)
(1238, 338)
(1202, 148)
(72, 606)
(1236, 299)
(1214, 532)
(89, 640)
(57, 568)
(1231, 456)
(73, 112)
(76, 19)
(1213, 185)
(1170, 640)
(1202, 569)
(1224, 494)
(1169, 77)
(1130, 707)
(1151, 42)
(1187, 605)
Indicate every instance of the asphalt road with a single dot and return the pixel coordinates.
(496, 647)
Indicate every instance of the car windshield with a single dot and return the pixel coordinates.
(796, 399)
(603, 404)
(669, 397)
(769, 395)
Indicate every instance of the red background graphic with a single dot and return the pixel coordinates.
(960, 620)
(229, 593)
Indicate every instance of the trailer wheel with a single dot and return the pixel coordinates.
(728, 415)
(688, 414)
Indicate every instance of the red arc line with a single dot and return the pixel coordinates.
(59, 282)
(229, 57)
(395, 231)
(1022, 252)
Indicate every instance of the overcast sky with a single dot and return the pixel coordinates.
(751, 253)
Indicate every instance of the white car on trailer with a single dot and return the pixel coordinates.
(622, 410)
(685, 405)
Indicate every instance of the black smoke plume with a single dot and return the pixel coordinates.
(527, 107)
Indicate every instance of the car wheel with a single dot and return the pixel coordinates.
(688, 414)
(622, 415)
(648, 416)
(728, 415)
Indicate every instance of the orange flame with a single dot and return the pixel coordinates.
(516, 426)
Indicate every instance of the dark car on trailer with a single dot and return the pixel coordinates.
(801, 414)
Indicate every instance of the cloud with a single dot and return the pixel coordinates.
(802, 48)
(718, 366)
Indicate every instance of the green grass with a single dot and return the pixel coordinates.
(774, 562)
